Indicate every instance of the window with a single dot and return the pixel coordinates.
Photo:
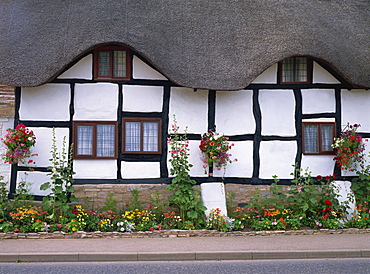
(95, 140)
(142, 135)
(318, 137)
(294, 70)
(112, 63)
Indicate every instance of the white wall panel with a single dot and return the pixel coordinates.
(97, 101)
(44, 143)
(269, 76)
(36, 179)
(81, 70)
(318, 164)
(243, 167)
(234, 112)
(142, 98)
(191, 109)
(278, 112)
(138, 170)
(322, 76)
(95, 169)
(277, 158)
(318, 101)
(49, 102)
(143, 71)
(355, 108)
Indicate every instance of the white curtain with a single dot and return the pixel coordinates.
(132, 136)
(150, 136)
(104, 68)
(326, 138)
(84, 140)
(105, 135)
(310, 138)
(119, 62)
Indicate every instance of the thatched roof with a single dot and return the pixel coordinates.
(214, 44)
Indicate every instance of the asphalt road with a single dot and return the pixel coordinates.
(322, 266)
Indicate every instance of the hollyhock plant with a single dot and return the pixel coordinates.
(18, 142)
(215, 148)
(349, 147)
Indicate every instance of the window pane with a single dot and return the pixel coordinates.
(301, 69)
(119, 61)
(310, 138)
(84, 140)
(287, 70)
(132, 136)
(150, 136)
(326, 138)
(104, 59)
(105, 142)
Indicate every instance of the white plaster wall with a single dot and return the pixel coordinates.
(322, 76)
(5, 123)
(81, 70)
(234, 112)
(318, 101)
(36, 179)
(95, 169)
(49, 102)
(355, 108)
(142, 98)
(138, 170)
(318, 164)
(277, 158)
(44, 143)
(97, 101)
(191, 109)
(243, 167)
(278, 110)
(141, 70)
(269, 76)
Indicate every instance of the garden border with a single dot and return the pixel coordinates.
(173, 233)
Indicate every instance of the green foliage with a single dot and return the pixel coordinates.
(361, 185)
(135, 202)
(110, 203)
(4, 201)
(185, 197)
(57, 202)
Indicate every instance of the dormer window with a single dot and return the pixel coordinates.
(295, 70)
(112, 63)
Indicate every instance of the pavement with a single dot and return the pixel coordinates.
(186, 248)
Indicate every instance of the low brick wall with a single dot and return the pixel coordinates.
(94, 196)
(176, 233)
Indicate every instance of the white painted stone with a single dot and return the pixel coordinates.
(318, 101)
(49, 102)
(319, 164)
(322, 76)
(191, 109)
(355, 109)
(269, 76)
(234, 112)
(142, 98)
(319, 120)
(98, 101)
(278, 112)
(277, 158)
(345, 196)
(195, 158)
(143, 71)
(81, 70)
(213, 196)
(36, 179)
(44, 143)
(138, 170)
(243, 167)
(95, 169)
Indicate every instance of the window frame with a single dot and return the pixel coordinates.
(308, 69)
(142, 120)
(94, 141)
(320, 151)
(111, 49)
